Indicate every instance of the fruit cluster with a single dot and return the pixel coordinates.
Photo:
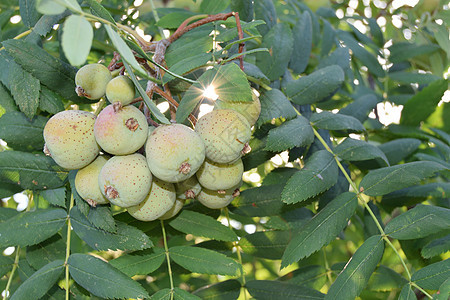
(148, 170)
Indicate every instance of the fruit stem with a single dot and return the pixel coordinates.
(100, 105)
(155, 15)
(16, 263)
(238, 252)
(166, 248)
(69, 231)
(359, 195)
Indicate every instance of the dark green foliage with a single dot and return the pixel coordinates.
(342, 189)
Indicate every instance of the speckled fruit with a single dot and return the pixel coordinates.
(174, 152)
(159, 200)
(125, 180)
(120, 89)
(91, 81)
(215, 176)
(250, 110)
(121, 130)
(86, 182)
(69, 139)
(188, 189)
(225, 133)
(215, 199)
(174, 210)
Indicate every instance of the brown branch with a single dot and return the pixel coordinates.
(113, 65)
(241, 36)
(182, 30)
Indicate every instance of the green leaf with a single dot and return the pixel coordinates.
(46, 22)
(28, 12)
(204, 261)
(183, 295)
(229, 83)
(55, 74)
(316, 86)
(150, 104)
(126, 237)
(318, 175)
(140, 263)
(340, 57)
(385, 279)
(364, 56)
(175, 19)
(404, 51)
(361, 107)
(312, 276)
(124, 50)
(101, 217)
(76, 39)
(266, 244)
(7, 213)
(407, 293)
(328, 38)
(259, 201)
(356, 150)
(265, 10)
(102, 279)
(397, 150)
(244, 8)
(321, 229)
(55, 196)
(25, 90)
(352, 280)
(274, 105)
(32, 227)
(191, 222)
(187, 64)
(98, 10)
(253, 72)
(47, 251)
(413, 77)
(163, 294)
(280, 42)
(50, 101)
(212, 7)
(302, 33)
(6, 264)
(432, 276)
(293, 133)
(40, 282)
(328, 120)
(385, 180)
(49, 7)
(436, 247)
(268, 290)
(419, 222)
(30, 171)
(423, 104)
(224, 290)
(7, 103)
(22, 133)
(444, 291)
(195, 42)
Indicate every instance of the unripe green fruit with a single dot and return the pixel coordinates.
(174, 210)
(120, 89)
(215, 176)
(158, 201)
(250, 110)
(91, 81)
(69, 139)
(215, 199)
(121, 130)
(225, 133)
(125, 180)
(174, 152)
(86, 182)
(188, 189)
